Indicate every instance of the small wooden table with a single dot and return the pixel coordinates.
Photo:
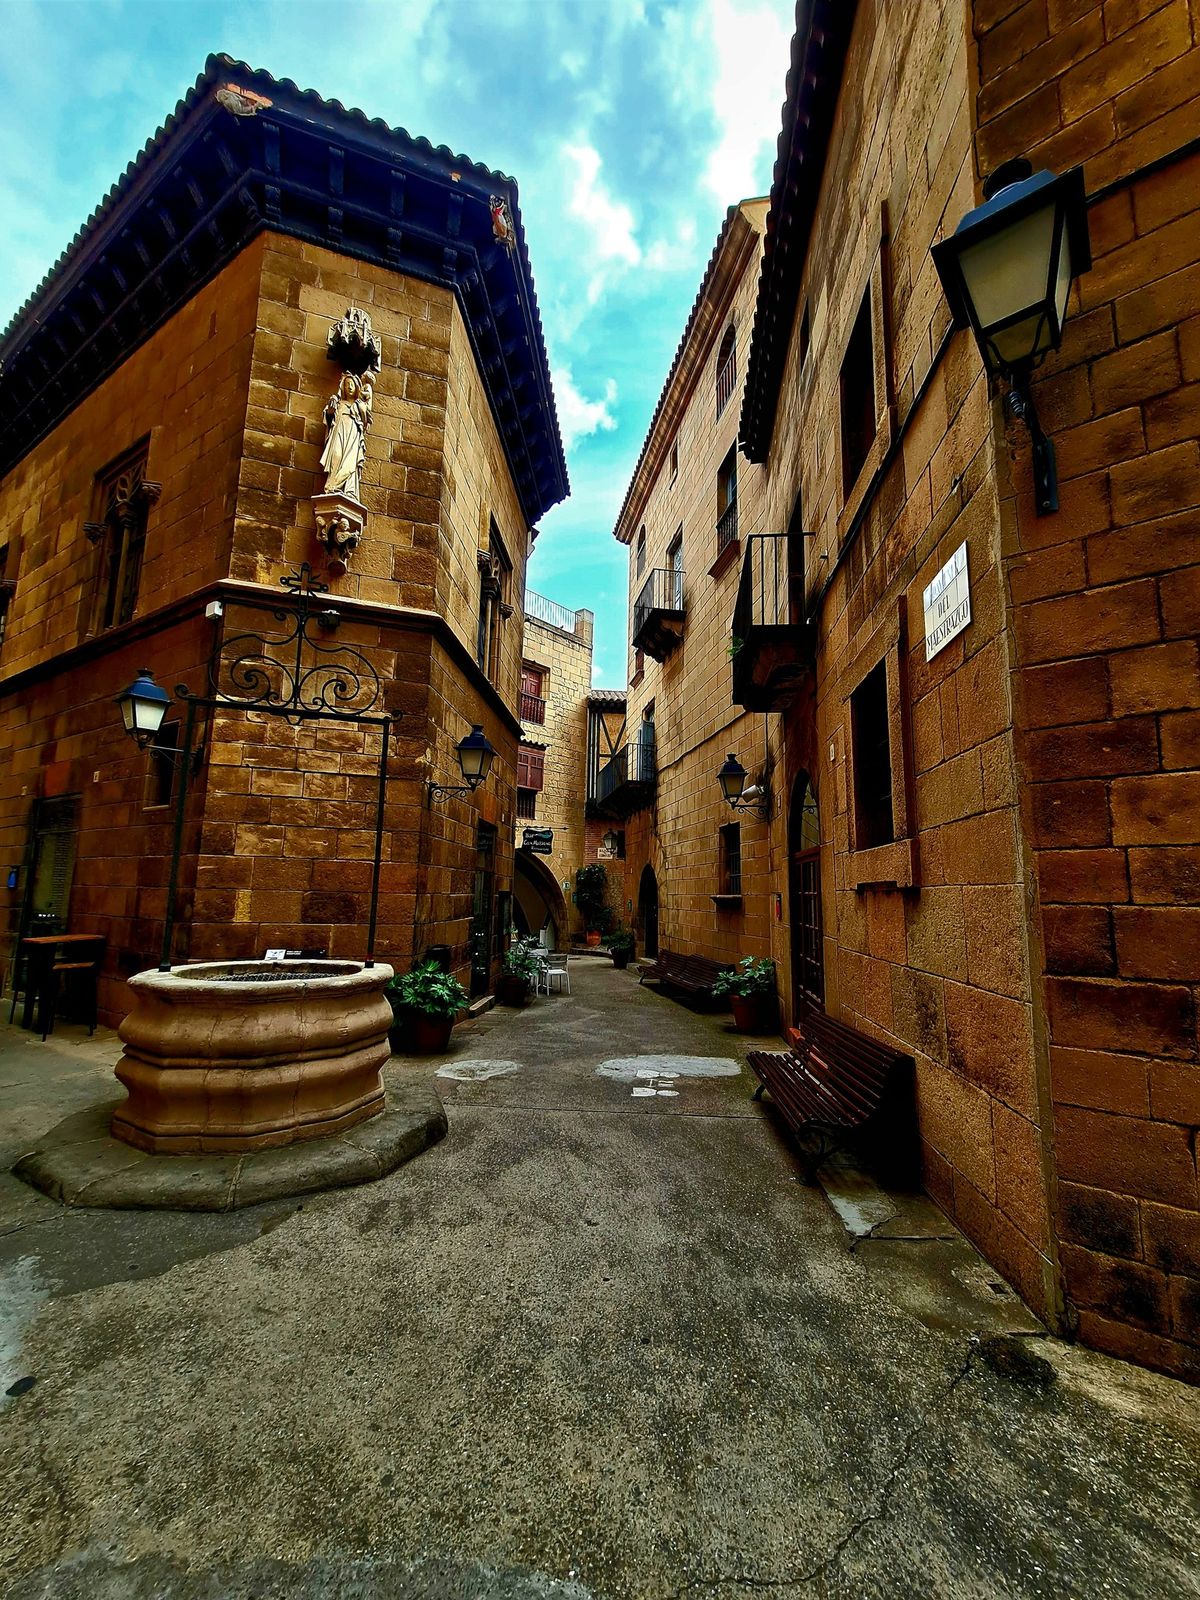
(41, 951)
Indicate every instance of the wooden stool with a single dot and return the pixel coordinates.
(67, 973)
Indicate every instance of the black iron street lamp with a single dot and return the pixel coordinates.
(1006, 272)
(475, 757)
(732, 777)
(143, 707)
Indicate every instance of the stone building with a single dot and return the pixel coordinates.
(164, 412)
(984, 849)
(556, 679)
(695, 874)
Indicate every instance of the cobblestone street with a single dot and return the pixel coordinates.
(600, 1344)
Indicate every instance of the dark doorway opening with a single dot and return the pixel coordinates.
(483, 909)
(804, 890)
(648, 911)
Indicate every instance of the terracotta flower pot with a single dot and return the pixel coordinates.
(593, 938)
(754, 1013)
(430, 1036)
(512, 991)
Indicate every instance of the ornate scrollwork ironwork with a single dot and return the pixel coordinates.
(297, 670)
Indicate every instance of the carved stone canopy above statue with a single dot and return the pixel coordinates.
(352, 344)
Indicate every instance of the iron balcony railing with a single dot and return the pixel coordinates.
(533, 708)
(660, 600)
(727, 527)
(773, 644)
(549, 612)
(633, 763)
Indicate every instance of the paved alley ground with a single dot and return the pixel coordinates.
(600, 1344)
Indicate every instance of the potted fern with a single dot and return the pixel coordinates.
(750, 990)
(425, 1003)
(516, 975)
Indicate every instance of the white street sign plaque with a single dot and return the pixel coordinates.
(947, 603)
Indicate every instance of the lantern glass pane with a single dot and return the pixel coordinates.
(1008, 272)
(127, 712)
(149, 714)
(1062, 277)
(1025, 339)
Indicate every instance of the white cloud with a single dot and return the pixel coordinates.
(750, 46)
(674, 254)
(578, 417)
(608, 222)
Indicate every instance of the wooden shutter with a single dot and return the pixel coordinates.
(531, 768)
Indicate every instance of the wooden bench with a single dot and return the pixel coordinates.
(692, 974)
(835, 1085)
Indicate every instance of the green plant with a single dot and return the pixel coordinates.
(428, 989)
(519, 963)
(591, 892)
(734, 647)
(749, 977)
(622, 939)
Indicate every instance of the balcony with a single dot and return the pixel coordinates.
(773, 647)
(533, 708)
(628, 780)
(658, 613)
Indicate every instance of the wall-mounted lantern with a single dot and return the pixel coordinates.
(143, 707)
(732, 777)
(475, 756)
(1006, 272)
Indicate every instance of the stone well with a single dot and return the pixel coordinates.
(244, 1055)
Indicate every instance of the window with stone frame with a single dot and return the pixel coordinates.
(856, 387)
(495, 584)
(729, 862)
(727, 513)
(726, 369)
(641, 552)
(527, 805)
(122, 501)
(8, 587)
(870, 725)
(163, 756)
(674, 459)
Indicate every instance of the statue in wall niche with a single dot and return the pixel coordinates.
(347, 420)
(340, 514)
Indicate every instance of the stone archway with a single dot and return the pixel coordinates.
(538, 901)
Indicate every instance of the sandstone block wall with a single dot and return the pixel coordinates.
(1105, 606)
(566, 660)
(936, 959)
(280, 833)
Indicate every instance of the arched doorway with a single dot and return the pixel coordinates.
(804, 897)
(648, 911)
(538, 905)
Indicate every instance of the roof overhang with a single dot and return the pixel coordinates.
(243, 153)
(823, 29)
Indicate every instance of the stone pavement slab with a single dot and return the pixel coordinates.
(589, 1347)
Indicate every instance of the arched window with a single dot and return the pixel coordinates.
(726, 369)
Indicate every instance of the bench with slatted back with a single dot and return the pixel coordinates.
(692, 974)
(835, 1085)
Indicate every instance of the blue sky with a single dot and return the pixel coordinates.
(629, 126)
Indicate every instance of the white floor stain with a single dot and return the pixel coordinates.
(478, 1071)
(628, 1068)
(22, 1295)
